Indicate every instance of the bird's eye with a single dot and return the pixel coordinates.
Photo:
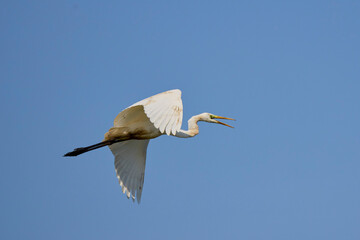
(212, 116)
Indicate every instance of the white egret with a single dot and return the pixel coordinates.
(133, 129)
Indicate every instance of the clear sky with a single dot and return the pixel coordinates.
(288, 71)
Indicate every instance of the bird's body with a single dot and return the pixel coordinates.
(135, 126)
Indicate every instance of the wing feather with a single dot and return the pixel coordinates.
(168, 125)
(162, 109)
(173, 123)
(165, 119)
(130, 159)
(132, 180)
(164, 112)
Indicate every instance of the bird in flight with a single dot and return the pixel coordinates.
(135, 126)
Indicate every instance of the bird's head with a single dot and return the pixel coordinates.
(211, 118)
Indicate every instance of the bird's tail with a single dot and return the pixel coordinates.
(78, 151)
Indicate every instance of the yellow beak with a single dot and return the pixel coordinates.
(218, 117)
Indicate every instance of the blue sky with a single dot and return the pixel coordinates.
(287, 71)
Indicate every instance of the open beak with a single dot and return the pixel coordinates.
(218, 117)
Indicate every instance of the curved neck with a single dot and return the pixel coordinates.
(193, 128)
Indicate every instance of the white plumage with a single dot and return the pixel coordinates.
(130, 159)
(133, 129)
(162, 111)
(165, 110)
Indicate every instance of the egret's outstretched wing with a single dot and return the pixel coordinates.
(162, 112)
(165, 111)
(130, 158)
